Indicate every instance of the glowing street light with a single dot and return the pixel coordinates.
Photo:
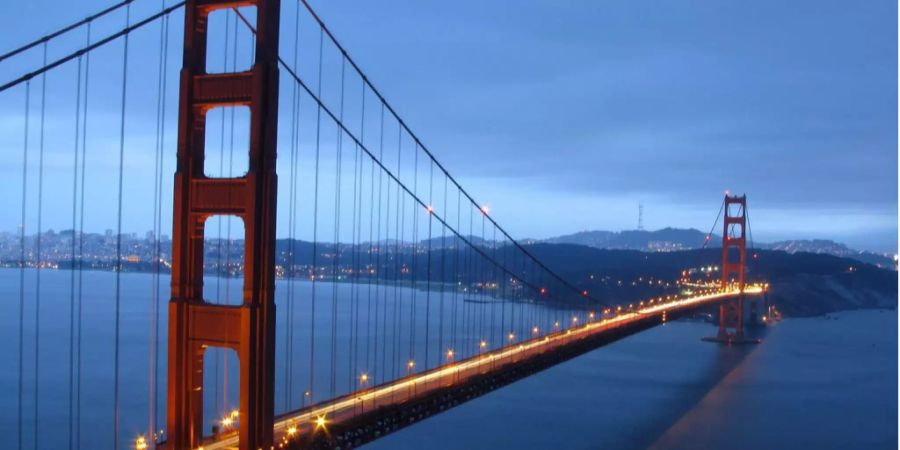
(450, 354)
(363, 378)
(482, 344)
(535, 330)
(511, 336)
(140, 443)
(321, 421)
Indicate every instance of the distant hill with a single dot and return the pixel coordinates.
(828, 247)
(674, 239)
(666, 239)
(802, 284)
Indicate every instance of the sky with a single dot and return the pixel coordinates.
(565, 115)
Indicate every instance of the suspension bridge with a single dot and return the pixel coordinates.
(317, 298)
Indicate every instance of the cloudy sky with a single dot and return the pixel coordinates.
(564, 115)
(582, 109)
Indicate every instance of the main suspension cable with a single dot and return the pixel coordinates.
(43, 40)
(421, 145)
(716, 222)
(123, 32)
(342, 127)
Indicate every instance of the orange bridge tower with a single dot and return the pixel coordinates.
(195, 324)
(734, 263)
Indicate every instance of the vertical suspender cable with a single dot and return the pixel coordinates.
(157, 229)
(22, 264)
(162, 142)
(415, 257)
(357, 244)
(379, 264)
(72, 255)
(351, 277)
(469, 313)
(315, 250)
(337, 244)
(385, 257)
(369, 263)
(482, 275)
(359, 230)
(87, 76)
(440, 346)
(398, 257)
(38, 255)
(377, 244)
(289, 263)
(494, 286)
(749, 228)
(456, 277)
(119, 236)
(501, 286)
(291, 289)
(428, 264)
(154, 280)
(716, 222)
(295, 145)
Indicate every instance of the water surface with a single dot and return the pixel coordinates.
(813, 383)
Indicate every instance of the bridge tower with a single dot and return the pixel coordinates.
(734, 261)
(194, 324)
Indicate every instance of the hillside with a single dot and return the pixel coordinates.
(675, 239)
(802, 284)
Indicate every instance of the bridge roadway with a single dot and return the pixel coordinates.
(355, 414)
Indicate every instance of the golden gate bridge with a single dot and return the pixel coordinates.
(373, 292)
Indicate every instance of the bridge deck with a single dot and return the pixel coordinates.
(320, 425)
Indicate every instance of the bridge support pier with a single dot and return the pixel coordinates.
(194, 324)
